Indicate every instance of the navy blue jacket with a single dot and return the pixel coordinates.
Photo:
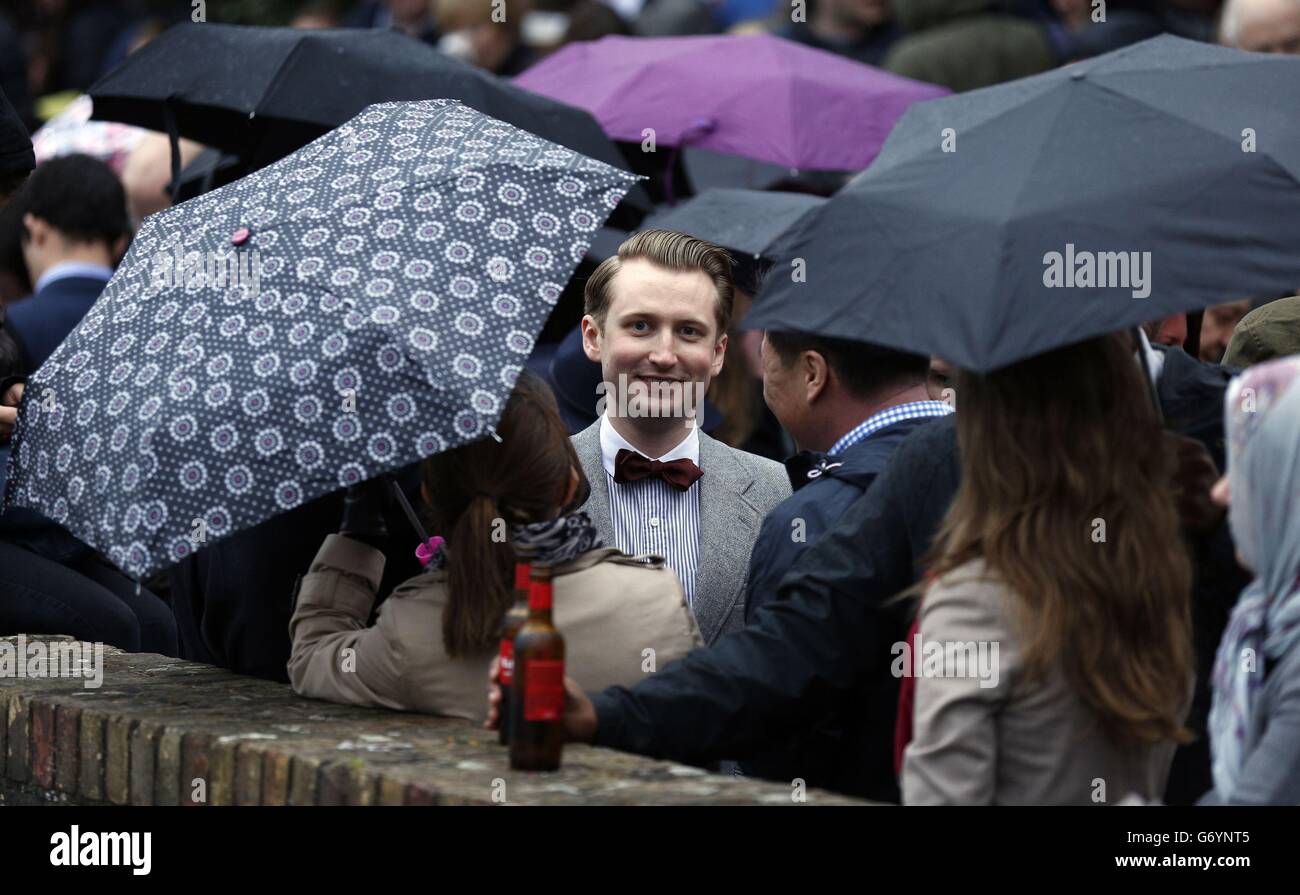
(40, 322)
(814, 508)
(831, 629)
(816, 753)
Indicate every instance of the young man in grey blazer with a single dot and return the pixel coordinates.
(656, 321)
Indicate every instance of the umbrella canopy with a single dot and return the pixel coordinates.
(72, 131)
(365, 302)
(16, 156)
(1009, 221)
(261, 91)
(755, 96)
(748, 222)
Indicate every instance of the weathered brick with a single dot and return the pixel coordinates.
(90, 763)
(144, 759)
(194, 767)
(275, 777)
(248, 775)
(391, 792)
(67, 747)
(221, 765)
(117, 759)
(16, 766)
(332, 784)
(167, 788)
(421, 794)
(41, 743)
(302, 781)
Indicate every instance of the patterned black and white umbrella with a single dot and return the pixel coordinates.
(360, 304)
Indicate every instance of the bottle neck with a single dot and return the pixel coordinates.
(523, 581)
(540, 593)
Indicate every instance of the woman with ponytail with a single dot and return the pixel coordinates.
(434, 639)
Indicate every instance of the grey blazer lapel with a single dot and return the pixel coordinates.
(587, 446)
(729, 524)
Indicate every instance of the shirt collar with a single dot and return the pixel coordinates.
(66, 269)
(1155, 359)
(611, 443)
(883, 418)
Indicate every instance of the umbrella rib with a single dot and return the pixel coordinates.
(274, 81)
(1185, 120)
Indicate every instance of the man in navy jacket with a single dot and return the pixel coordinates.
(847, 405)
(830, 630)
(74, 228)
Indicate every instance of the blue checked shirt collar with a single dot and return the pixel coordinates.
(913, 410)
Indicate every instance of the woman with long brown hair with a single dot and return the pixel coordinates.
(1061, 559)
(435, 637)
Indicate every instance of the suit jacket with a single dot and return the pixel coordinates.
(40, 322)
(736, 492)
(610, 608)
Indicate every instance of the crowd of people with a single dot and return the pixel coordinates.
(1115, 523)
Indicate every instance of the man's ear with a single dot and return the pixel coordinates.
(719, 356)
(35, 229)
(590, 338)
(817, 375)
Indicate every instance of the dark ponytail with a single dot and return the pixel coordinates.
(476, 490)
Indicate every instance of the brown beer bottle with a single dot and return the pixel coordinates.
(513, 620)
(537, 702)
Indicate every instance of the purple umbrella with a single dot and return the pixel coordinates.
(756, 96)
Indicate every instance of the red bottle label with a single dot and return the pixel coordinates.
(544, 690)
(523, 575)
(507, 674)
(539, 595)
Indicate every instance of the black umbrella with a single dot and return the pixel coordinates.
(1005, 222)
(16, 155)
(210, 169)
(748, 222)
(361, 304)
(263, 92)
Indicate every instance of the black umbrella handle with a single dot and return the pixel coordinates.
(174, 138)
(410, 513)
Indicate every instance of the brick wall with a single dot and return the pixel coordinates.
(161, 731)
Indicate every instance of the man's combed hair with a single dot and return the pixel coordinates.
(864, 369)
(670, 249)
(77, 195)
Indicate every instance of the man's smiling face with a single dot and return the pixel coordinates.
(661, 328)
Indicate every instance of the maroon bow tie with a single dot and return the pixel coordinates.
(629, 466)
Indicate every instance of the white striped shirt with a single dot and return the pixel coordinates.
(651, 516)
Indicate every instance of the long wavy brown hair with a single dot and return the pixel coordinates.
(1052, 448)
(522, 478)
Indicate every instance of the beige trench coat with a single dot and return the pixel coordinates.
(610, 608)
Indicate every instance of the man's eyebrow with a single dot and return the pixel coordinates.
(643, 312)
